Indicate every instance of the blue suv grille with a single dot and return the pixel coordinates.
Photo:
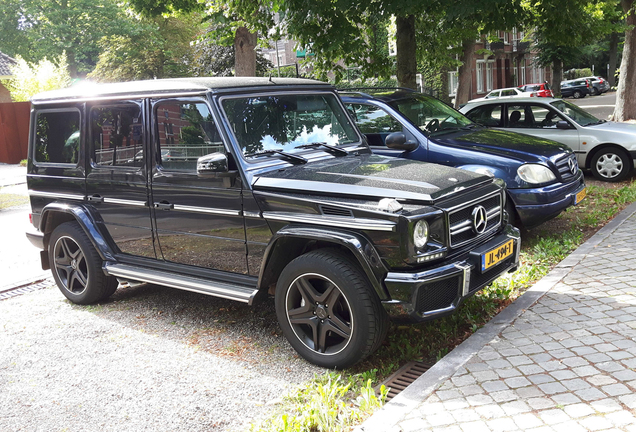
(567, 166)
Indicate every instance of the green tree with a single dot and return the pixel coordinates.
(37, 29)
(30, 80)
(158, 47)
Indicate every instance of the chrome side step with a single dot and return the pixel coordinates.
(187, 283)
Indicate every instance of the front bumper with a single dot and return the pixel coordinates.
(537, 205)
(430, 294)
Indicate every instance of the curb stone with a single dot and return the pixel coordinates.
(388, 417)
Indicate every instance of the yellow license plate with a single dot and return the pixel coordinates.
(496, 255)
(579, 196)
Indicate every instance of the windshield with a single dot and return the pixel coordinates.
(286, 122)
(577, 114)
(429, 114)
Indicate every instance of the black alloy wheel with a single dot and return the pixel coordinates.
(77, 267)
(577, 94)
(328, 311)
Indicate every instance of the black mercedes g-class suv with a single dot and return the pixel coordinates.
(238, 188)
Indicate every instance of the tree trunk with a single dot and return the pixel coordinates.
(557, 77)
(406, 51)
(72, 63)
(625, 98)
(244, 47)
(465, 78)
(444, 91)
(613, 58)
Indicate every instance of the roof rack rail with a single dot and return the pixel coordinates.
(354, 89)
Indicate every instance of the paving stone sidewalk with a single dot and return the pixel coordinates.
(561, 358)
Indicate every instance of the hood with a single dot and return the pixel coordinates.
(370, 176)
(616, 127)
(520, 146)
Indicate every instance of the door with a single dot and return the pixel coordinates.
(198, 219)
(116, 180)
(540, 121)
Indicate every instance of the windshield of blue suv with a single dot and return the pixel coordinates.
(287, 122)
(577, 114)
(431, 115)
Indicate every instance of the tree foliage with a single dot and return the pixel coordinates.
(30, 80)
(37, 29)
(158, 47)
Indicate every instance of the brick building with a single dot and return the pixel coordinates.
(512, 63)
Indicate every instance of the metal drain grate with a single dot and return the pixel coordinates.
(403, 377)
(19, 290)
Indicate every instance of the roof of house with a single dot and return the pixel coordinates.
(5, 63)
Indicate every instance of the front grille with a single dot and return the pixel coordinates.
(438, 294)
(566, 165)
(462, 222)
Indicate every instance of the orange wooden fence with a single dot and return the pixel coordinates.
(14, 131)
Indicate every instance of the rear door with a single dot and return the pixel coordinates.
(116, 179)
(199, 220)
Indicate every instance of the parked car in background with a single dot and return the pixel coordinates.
(285, 198)
(577, 88)
(542, 176)
(506, 93)
(541, 89)
(599, 85)
(606, 148)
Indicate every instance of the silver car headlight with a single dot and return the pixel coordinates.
(420, 234)
(535, 173)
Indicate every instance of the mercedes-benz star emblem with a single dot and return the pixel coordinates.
(480, 219)
(572, 165)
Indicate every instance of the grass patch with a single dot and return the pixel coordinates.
(12, 200)
(332, 402)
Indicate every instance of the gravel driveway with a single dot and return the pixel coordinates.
(151, 358)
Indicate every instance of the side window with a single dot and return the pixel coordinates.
(185, 132)
(374, 122)
(57, 137)
(493, 94)
(544, 117)
(517, 117)
(117, 135)
(509, 93)
(487, 115)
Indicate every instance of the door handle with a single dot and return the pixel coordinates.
(163, 205)
(96, 198)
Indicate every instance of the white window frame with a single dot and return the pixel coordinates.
(479, 73)
(490, 66)
(453, 83)
(523, 72)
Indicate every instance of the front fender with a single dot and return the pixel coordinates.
(292, 240)
(89, 222)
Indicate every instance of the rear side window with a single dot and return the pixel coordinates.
(117, 135)
(486, 115)
(57, 137)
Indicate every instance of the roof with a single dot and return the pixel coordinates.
(87, 90)
(5, 65)
(512, 100)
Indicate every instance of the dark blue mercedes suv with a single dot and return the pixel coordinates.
(542, 176)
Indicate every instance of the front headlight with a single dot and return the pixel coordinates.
(420, 234)
(535, 173)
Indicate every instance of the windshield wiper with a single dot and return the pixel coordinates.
(337, 151)
(290, 157)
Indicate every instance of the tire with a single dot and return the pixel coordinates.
(577, 94)
(611, 164)
(594, 91)
(77, 267)
(328, 310)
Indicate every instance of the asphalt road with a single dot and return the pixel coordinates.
(600, 106)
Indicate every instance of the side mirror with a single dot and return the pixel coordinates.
(212, 164)
(562, 124)
(397, 141)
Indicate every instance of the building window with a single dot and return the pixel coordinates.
(523, 72)
(506, 37)
(490, 65)
(480, 76)
(453, 82)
